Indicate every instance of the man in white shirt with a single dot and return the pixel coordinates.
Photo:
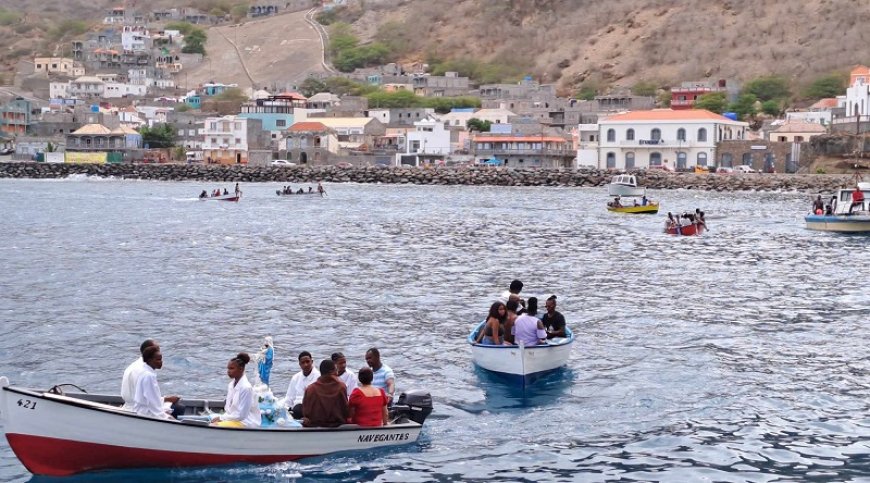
(345, 376)
(147, 400)
(299, 383)
(131, 375)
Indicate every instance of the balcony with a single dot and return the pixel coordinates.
(527, 152)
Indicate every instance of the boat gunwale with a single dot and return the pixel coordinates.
(568, 341)
(83, 404)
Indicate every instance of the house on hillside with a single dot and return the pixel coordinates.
(427, 143)
(17, 116)
(96, 137)
(664, 138)
(821, 112)
(796, 132)
(355, 133)
(684, 97)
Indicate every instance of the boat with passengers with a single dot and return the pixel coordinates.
(625, 185)
(58, 433)
(520, 363)
(844, 215)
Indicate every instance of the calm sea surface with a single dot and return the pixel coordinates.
(741, 355)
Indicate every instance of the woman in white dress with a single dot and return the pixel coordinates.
(241, 409)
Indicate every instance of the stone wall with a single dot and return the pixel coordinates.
(754, 153)
(441, 176)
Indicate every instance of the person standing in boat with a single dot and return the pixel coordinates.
(344, 375)
(383, 375)
(528, 329)
(492, 332)
(818, 206)
(241, 409)
(238, 190)
(554, 321)
(147, 400)
(513, 293)
(321, 190)
(298, 384)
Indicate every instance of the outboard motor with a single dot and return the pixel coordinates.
(412, 405)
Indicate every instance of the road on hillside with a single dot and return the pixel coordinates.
(282, 49)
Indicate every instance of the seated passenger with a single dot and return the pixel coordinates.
(226, 192)
(492, 331)
(368, 404)
(203, 194)
(147, 400)
(241, 409)
(528, 329)
(510, 320)
(344, 375)
(300, 192)
(299, 383)
(553, 320)
(325, 403)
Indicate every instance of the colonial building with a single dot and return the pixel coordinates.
(663, 138)
(310, 143)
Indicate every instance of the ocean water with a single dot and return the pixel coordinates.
(740, 355)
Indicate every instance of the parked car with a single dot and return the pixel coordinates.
(6, 151)
(282, 162)
(344, 164)
(744, 168)
(724, 170)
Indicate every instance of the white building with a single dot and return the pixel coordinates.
(858, 93)
(85, 87)
(428, 140)
(458, 117)
(117, 90)
(819, 113)
(225, 139)
(587, 145)
(58, 90)
(135, 38)
(664, 138)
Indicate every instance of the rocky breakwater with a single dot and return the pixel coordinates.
(813, 183)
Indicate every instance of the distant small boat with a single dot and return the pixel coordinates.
(519, 363)
(685, 230)
(625, 185)
(650, 208)
(280, 193)
(229, 197)
(844, 218)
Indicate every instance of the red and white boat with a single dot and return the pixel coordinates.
(227, 197)
(59, 434)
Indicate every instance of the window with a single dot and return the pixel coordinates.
(702, 135)
(655, 134)
(798, 139)
(629, 135)
(212, 126)
(702, 159)
(237, 126)
(214, 140)
(681, 134)
(629, 160)
(747, 159)
(238, 141)
(611, 135)
(655, 159)
(782, 139)
(181, 132)
(611, 160)
(281, 123)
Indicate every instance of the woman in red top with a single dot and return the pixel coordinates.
(368, 404)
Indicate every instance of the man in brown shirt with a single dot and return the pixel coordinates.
(325, 401)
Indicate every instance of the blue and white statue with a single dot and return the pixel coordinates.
(264, 360)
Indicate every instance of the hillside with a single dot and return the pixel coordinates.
(621, 42)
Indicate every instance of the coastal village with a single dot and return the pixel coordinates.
(119, 96)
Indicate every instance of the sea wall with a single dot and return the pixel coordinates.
(441, 176)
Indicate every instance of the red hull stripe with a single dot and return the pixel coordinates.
(60, 457)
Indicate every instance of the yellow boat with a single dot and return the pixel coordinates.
(651, 209)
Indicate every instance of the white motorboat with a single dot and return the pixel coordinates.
(844, 217)
(625, 185)
(518, 363)
(58, 434)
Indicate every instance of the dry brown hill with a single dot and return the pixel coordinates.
(625, 41)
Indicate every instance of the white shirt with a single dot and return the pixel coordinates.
(128, 382)
(297, 387)
(349, 380)
(242, 404)
(147, 400)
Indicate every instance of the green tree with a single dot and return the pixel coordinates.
(159, 136)
(587, 91)
(664, 99)
(311, 86)
(239, 12)
(767, 88)
(479, 125)
(713, 102)
(8, 17)
(443, 105)
(183, 27)
(744, 106)
(194, 42)
(393, 100)
(831, 85)
(771, 108)
(644, 88)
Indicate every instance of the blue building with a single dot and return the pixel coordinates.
(275, 112)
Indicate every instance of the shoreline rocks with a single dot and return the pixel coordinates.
(477, 175)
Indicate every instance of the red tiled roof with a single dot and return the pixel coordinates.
(828, 103)
(307, 126)
(292, 95)
(669, 115)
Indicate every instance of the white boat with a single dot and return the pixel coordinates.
(59, 434)
(624, 185)
(519, 363)
(844, 218)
